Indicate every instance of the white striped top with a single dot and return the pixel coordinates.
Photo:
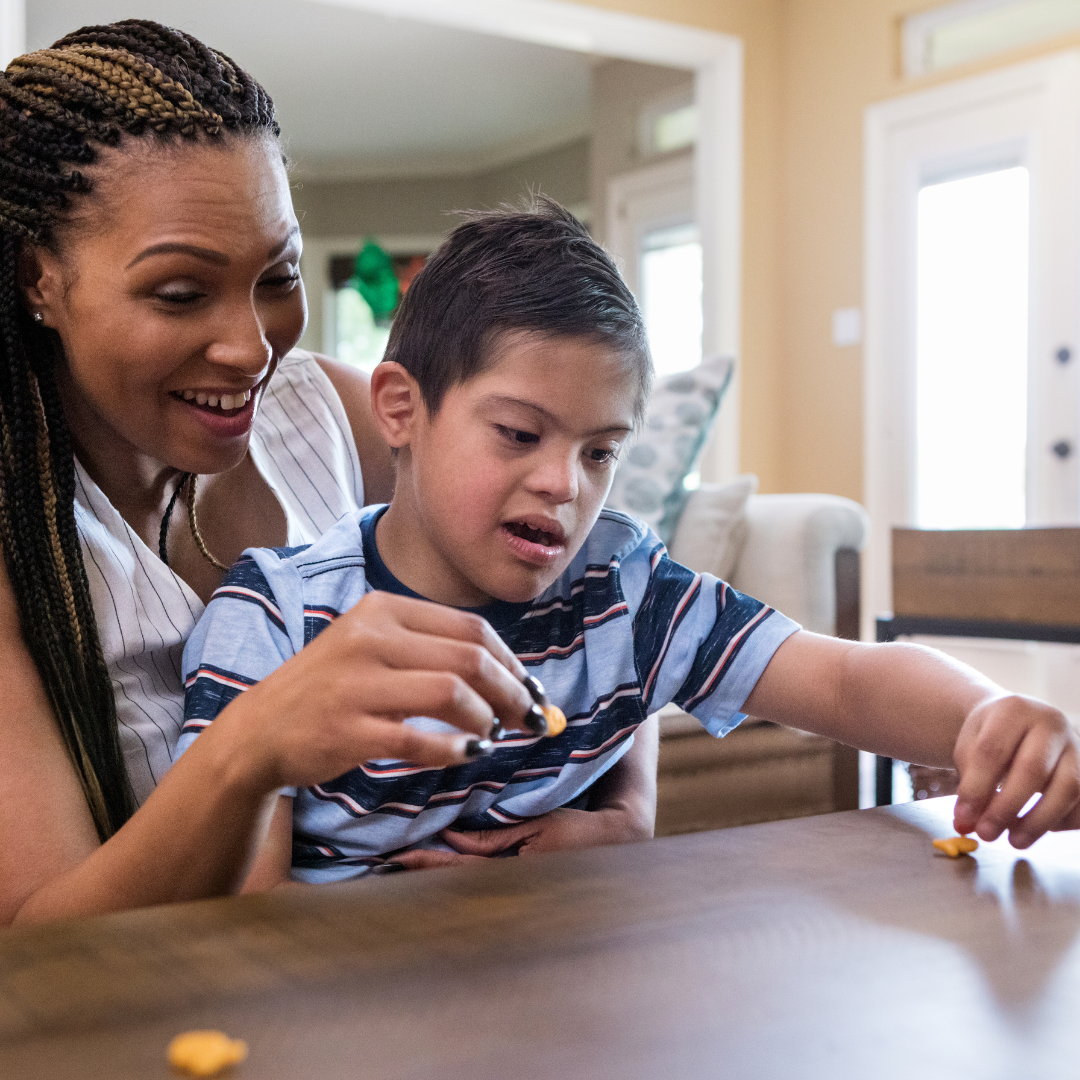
(303, 446)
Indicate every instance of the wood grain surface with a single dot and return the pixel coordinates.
(837, 946)
(1012, 575)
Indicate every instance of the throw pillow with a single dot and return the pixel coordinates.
(649, 480)
(713, 528)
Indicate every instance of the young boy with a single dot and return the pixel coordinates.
(517, 369)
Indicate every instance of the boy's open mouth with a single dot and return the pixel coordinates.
(534, 536)
(535, 541)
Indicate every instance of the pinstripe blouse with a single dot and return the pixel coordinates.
(302, 444)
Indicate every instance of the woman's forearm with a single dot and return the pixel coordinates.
(194, 837)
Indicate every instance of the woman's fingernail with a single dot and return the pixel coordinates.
(535, 688)
(393, 867)
(477, 748)
(535, 721)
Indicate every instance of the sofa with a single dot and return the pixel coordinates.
(799, 553)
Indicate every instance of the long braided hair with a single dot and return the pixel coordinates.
(100, 85)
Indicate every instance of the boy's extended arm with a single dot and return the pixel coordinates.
(916, 704)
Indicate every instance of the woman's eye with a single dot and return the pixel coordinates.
(180, 296)
(281, 281)
(517, 436)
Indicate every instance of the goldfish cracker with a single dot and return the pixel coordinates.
(205, 1053)
(955, 846)
(556, 719)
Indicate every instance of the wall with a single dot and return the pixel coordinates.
(757, 23)
(812, 67)
(620, 90)
(839, 57)
(417, 206)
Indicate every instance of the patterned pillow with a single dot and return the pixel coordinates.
(649, 480)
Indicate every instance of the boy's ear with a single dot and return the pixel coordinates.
(396, 403)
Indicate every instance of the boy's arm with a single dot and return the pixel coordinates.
(622, 810)
(916, 704)
(629, 786)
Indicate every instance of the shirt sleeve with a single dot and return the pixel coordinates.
(241, 638)
(698, 642)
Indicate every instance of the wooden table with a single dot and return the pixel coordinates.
(837, 946)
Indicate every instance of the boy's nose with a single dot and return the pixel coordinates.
(556, 479)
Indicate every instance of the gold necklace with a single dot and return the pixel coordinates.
(190, 481)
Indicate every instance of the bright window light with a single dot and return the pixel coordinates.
(959, 33)
(360, 341)
(670, 287)
(971, 366)
(676, 129)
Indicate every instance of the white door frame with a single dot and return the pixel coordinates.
(716, 60)
(665, 186)
(1050, 88)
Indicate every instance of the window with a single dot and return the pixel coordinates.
(358, 338)
(670, 291)
(971, 351)
(962, 32)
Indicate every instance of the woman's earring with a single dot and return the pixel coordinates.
(38, 317)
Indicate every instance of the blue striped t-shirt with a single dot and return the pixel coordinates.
(621, 633)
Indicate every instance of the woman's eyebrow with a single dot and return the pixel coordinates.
(218, 258)
(206, 254)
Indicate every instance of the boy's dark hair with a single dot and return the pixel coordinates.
(533, 269)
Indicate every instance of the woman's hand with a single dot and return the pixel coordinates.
(341, 700)
(1010, 748)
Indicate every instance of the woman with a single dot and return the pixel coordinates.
(149, 290)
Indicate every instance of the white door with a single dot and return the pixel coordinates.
(973, 327)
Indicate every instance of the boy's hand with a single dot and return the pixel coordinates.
(1009, 748)
(560, 830)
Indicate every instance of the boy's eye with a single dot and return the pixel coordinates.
(515, 435)
(602, 456)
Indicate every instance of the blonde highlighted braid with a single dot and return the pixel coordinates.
(100, 85)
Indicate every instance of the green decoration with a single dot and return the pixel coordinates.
(374, 279)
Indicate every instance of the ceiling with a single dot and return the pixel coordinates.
(361, 94)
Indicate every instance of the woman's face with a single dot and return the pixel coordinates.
(175, 290)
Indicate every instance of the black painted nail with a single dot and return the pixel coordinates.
(477, 748)
(535, 721)
(393, 867)
(536, 689)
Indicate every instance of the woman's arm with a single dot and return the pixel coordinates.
(376, 462)
(337, 702)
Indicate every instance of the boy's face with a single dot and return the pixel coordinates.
(502, 485)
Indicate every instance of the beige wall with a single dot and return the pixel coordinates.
(839, 56)
(757, 23)
(620, 90)
(418, 207)
(812, 67)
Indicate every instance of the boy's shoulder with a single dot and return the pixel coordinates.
(327, 574)
(614, 536)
